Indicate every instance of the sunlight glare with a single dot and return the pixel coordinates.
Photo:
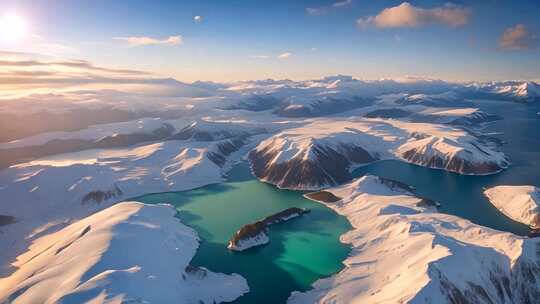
(12, 28)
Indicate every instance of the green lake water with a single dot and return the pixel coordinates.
(308, 248)
(300, 251)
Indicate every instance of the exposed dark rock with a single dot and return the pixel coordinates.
(254, 229)
(426, 202)
(394, 184)
(388, 113)
(329, 167)
(199, 272)
(99, 196)
(323, 196)
(62, 248)
(225, 148)
(6, 220)
(455, 164)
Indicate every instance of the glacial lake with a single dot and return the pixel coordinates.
(300, 251)
(308, 248)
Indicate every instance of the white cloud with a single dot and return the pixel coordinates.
(408, 15)
(284, 55)
(134, 41)
(322, 10)
(260, 56)
(315, 11)
(342, 3)
(314, 49)
(197, 18)
(517, 38)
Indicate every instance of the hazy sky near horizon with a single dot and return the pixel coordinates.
(240, 40)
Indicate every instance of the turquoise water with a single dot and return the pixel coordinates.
(462, 195)
(300, 251)
(306, 249)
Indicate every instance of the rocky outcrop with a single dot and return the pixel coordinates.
(469, 154)
(322, 196)
(6, 220)
(325, 166)
(98, 196)
(388, 113)
(254, 234)
(224, 149)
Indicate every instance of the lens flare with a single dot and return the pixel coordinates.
(12, 28)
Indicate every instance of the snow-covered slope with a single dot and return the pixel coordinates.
(470, 117)
(53, 191)
(128, 253)
(520, 203)
(322, 152)
(211, 131)
(403, 253)
(97, 132)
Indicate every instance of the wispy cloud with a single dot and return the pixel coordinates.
(22, 73)
(518, 37)
(341, 3)
(260, 56)
(322, 10)
(198, 18)
(134, 41)
(286, 55)
(77, 64)
(39, 45)
(408, 15)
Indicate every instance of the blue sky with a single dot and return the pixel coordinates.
(237, 40)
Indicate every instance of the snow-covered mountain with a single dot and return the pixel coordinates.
(117, 256)
(520, 203)
(404, 253)
(59, 189)
(310, 134)
(322, 153)
(521, 91)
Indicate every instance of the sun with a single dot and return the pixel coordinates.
(12, 28)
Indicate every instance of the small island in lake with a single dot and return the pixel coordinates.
(254, 234)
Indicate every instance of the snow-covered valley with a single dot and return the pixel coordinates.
(302, 135)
